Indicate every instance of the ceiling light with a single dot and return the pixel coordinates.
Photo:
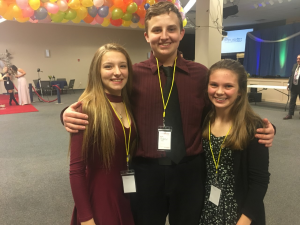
(280, 1)
(263, 4)
(271, 2)
(256, 6)
(188, 6)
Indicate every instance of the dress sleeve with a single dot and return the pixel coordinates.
(78, 179)
(258, 178)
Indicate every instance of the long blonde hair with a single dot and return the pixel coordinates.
(98, 109)
(245, 120)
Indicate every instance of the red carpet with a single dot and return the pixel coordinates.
(5, 108)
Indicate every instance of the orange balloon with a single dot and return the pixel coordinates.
(88, 19)
(118, 3)
(141, 11)
(3, 7)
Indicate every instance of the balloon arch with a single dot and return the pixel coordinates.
(105, 12)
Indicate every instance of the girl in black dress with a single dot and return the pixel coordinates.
(9, 86)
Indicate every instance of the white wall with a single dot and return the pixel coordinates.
(27, 43)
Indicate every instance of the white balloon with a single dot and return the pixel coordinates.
(98, 3)
(134, 25)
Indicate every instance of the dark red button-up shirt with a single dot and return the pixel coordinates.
(147, 104)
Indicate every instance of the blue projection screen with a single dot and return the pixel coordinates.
(235, 41)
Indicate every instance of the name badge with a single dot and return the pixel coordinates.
(215, 194)
(128, 181)
(164, 138)
(7, 82)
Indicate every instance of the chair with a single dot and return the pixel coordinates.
(61, 79)
(37, 86)
(46, 86)
(71, 85)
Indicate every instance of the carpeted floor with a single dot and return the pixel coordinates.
(12, 109)
(34, 180)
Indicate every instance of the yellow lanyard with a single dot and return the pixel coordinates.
(216, 164)
(127, 144)
(161, 91)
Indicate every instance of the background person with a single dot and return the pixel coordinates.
(236, 163)
(23, 92)
(294, 88)
(99, 154)
(9, 86)
(168, 182)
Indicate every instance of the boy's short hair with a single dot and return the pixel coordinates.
(159, 9)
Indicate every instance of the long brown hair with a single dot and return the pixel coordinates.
(98, 109)
(245, 120)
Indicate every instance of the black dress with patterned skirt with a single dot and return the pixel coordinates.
(226, 212)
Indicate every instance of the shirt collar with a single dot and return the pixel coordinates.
(180, 64)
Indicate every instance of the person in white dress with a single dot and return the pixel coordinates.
(23, 92)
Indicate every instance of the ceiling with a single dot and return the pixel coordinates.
(248, 14)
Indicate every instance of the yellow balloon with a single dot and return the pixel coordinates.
(105, 22)
(8, 15)
(34, 4)
(150, 2)
(22, 19)
(184, 22)
(181, 9)
(74, 4)
(52, 1)
(3, 7)
(126, 23)
(141, 26)
(87, 3)
(64, 21)
(82, 12)
(17, 12)
(76, 20)
(173, 1)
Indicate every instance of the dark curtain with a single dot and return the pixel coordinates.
(272, 59)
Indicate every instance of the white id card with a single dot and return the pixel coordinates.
(128, 181)
(215, 194)
(164, 138)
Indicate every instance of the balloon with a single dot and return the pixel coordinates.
(141, 11)
(74, 4)
(142, 21)
(138, 2)
(81, 12)
(62, 5)
(103, 11)
(52, 1)
(70, 14)
(184, 22)
(105, 22)
(27, 12)
(94, 22)
(16, 11)
(98, 3)
(150, 2)
(135, 18)
(182, 15)
(58, 17)
(116, 23)
(3, 7)
(41, 13)
(22, 5)
(126, 23)
(108, 3)
(92, 11)
(132, 7)
(99, 19)
(117, 14)
(118, 3)
(43, 2)
(33, 21)
(34, 4)
(22, 19)
(134, 25)
(64, 21)
(51, 7)
(76, 20)
(146, 6)
(127, 2)
(142, 26)
(127, 16)
(88, 19)
(87, 3)
(46, 20)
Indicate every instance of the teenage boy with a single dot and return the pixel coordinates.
(169, 181)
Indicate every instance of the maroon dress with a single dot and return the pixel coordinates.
(98, 192)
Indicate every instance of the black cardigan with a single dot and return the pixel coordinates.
(251, 180)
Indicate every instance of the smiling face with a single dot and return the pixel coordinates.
(164, 35)
(114, 72)
(223, 88)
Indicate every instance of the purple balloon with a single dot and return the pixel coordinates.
(146, 6)
(41, 13)
(138, 2)
(92, 11)
(135, 18)
(182, 15)
(103, 11)
(33, 17)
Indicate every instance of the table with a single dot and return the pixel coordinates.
(276, 88)
(59, 83)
